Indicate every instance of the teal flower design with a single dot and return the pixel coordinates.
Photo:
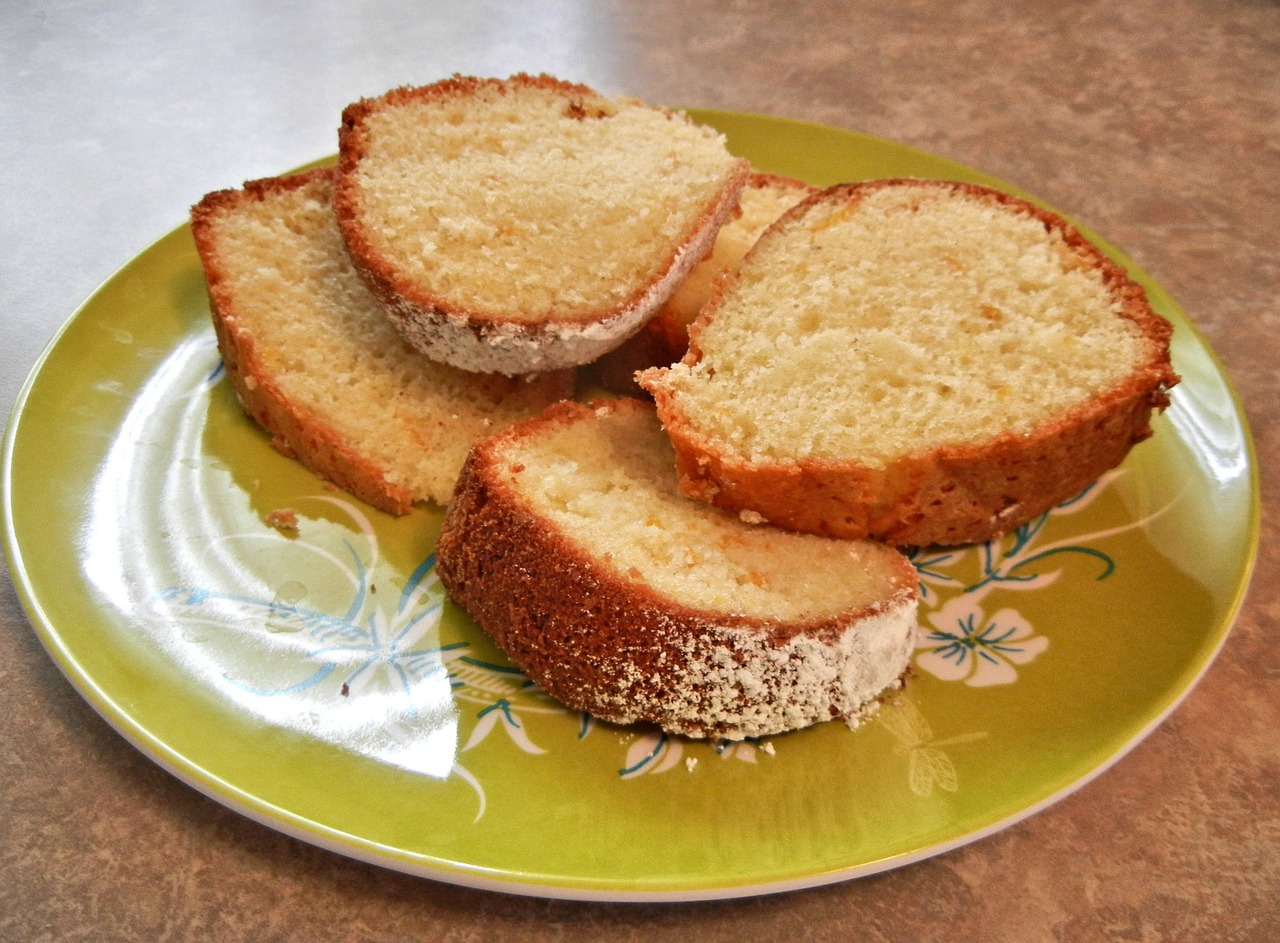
(931, 570)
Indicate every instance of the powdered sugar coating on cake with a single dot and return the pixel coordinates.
(734, 683)
(567, 543)
(515, 347)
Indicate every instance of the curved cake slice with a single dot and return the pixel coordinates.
(525, 224)
(567, 542)
(914, 361)
(665, 337)
(315, 362)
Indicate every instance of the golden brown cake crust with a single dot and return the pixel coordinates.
(952, 495)
(949, 495)
(597, 641)
(493, 340)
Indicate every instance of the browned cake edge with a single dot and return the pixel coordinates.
(611, 646)
(664, 338)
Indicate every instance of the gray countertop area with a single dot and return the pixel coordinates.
(1156, 123)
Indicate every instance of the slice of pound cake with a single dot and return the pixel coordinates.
(314, 361)
(913, 361)
(526, 224)
(568, 543)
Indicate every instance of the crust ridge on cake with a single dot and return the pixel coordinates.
(568, 543)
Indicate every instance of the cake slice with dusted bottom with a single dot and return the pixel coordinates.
(568, 543)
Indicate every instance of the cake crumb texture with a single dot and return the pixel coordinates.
(665, 338)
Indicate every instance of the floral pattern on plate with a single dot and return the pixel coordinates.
(389, 667)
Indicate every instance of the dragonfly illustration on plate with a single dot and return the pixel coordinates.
(929, 766)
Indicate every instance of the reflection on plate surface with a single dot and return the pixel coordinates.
(317, 679)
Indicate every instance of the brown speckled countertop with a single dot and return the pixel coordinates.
(1157, 123)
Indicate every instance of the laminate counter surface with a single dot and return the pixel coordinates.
(1158, 124)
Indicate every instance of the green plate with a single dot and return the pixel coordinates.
(321, 683)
